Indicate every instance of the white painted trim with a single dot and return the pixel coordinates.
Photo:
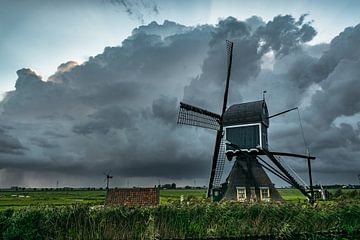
(243, 125)
(244, 150)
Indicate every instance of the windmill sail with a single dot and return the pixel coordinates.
(219, 135)
(220, 164)
(195, 116)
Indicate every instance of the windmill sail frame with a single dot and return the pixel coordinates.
(195, 116)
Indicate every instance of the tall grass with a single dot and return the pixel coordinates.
(177, 221)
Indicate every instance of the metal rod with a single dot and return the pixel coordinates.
(282, 112)
(292, 155)
(276, 174)
(275, 170)
(268, 167)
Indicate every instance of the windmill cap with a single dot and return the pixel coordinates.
(246, 113)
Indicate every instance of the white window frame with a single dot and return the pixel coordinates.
(237, 194)
(267, 199)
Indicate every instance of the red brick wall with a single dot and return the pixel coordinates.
(132, 197)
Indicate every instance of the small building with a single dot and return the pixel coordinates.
(132, 197)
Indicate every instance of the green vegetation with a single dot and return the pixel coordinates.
(180, 221)
(19, 199)
(172, 195)
(292, 195)
(79, 215)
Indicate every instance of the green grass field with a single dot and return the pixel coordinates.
(51, 214)
(16, 199)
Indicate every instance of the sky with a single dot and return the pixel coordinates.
(89, 86)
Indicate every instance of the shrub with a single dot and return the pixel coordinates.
(199, 220)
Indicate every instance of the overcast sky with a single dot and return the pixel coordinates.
(89, 86)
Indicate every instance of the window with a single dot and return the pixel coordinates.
(241, 194)
(265, 194)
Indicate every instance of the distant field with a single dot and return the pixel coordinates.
(22, 198)
(18, 199)
(167, 195)
(291, 195)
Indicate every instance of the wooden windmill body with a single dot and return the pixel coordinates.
(242, 137)
(245, 125)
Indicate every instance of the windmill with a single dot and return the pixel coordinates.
(241, 133)
(107, 179)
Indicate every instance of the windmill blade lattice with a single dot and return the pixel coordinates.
(194, 116)
(220, 164)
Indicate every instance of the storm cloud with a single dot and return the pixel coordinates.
(118, 109)
(137, 8)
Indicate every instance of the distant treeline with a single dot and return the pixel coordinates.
(51, 189)
(199, 221)
(336, 186)
(163, 186)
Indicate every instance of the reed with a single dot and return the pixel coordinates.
(202, 220)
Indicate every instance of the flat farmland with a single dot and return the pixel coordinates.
(69, 214)
(18, 199)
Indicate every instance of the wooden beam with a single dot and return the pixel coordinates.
(292, 155)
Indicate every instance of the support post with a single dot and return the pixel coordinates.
(312, 200)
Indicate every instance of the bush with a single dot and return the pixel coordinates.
(199, 220)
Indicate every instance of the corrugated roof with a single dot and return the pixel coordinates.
(245, 113)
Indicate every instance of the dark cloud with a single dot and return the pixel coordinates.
(118, 109)
(137, 8)
(165, 108)
(344, 46)
(9, 144)
(43, 143)
(338, 95)
(282, 35)
(105, 119)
